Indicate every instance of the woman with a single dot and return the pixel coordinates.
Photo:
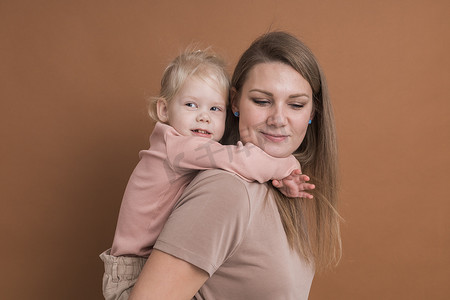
(230, 239)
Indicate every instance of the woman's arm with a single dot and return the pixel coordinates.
(206, 226)
(167, 277)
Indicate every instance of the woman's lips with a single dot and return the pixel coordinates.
(275, 138)
(201, 133)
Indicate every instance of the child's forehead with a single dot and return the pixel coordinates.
(213, 76)
(207, 83)
(202, 90)
(209, 78)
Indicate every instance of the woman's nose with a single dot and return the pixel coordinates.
(277, 117)
(203, 117)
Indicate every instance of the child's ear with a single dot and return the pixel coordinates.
(162, 110)
(233, 100)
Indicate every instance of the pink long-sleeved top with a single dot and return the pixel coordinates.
(165, 170)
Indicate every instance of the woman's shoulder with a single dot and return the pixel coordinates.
(217, 185)
(216, 207)
(223, 189)
(214, 175)
(227, 182)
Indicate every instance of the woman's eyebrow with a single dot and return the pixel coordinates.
(261, 91)
(299, 95)
(290, 96)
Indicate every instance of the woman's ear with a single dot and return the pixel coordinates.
(233, 100)
(162, 110)
(312, 115)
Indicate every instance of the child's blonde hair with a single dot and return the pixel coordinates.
(203, 64)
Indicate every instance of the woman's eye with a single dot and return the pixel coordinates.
(260, 101)
(296, 105)
(215, 108)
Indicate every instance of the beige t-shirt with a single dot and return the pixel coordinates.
(226, 226)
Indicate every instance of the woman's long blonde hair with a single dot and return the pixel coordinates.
(311, 226)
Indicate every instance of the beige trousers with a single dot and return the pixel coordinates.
(121, 273)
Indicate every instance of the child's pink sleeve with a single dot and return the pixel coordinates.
(249, 161)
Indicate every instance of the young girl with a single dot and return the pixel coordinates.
(190, 114)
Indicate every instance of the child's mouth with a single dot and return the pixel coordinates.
(201, 132)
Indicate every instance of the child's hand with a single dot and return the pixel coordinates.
(295, 185)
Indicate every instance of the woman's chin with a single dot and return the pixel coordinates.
(279, 151)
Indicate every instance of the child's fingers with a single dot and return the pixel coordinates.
(277, 183)
(307, 186)
(304, 177)
(305, 195)
(296, 172)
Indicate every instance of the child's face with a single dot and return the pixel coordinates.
(198, 109)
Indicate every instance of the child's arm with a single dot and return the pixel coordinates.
(295, 185)
(249, 161)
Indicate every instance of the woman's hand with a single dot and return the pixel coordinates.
(295, 185)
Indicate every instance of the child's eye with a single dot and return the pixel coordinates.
(216, 108)
(191, 105)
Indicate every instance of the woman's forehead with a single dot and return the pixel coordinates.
(275, 77)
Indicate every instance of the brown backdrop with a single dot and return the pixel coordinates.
(73, 79)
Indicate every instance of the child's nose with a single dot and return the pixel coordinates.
(203, 117)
